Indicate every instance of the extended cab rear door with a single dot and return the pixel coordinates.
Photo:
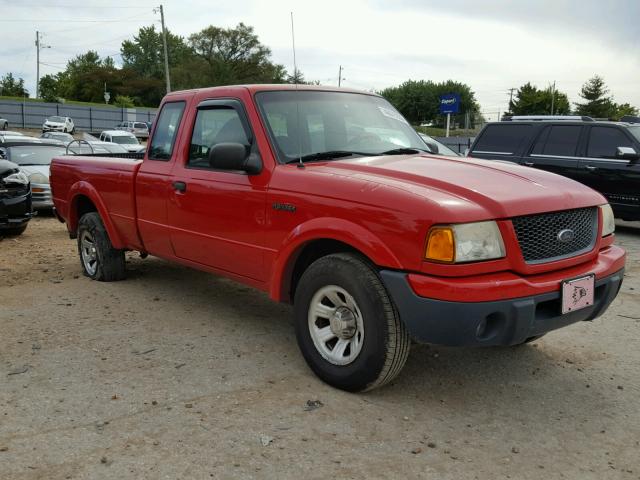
(217, 217)
(153, 182)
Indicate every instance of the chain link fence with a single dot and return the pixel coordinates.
(85, 118)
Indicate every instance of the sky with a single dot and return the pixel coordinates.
(491, 45)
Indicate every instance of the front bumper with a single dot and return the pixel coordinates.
(53, 128)
(501, 322)
(15, 211)
(41, 196)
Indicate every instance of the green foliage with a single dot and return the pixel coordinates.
(529, 100)
(124, 101)
(419, 101)
(625, 109)
(228, 56)
(597, 104)
(49, 88)
(10, 86)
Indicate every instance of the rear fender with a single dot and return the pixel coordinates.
(83, 188)
(326, 228)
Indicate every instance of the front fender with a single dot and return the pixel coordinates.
(325, 228)
(83, 188)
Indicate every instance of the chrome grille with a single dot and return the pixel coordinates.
(538, 235)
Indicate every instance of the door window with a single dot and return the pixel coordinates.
(558, 141)
(166, 131)
(213, 126)
(604, 141)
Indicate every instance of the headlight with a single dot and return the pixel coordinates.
(466, 242)
(608, 222)
(18, 177)
(38, 178)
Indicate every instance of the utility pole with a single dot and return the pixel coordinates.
(511, 90)
(553, 96)
(340, 75)
(166, 55)
(38, 47)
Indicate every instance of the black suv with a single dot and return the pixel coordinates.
(603, 155)
(15, 199)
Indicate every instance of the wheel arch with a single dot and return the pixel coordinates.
(318, 238)
(84, 199)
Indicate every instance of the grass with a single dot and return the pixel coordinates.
(66, 102)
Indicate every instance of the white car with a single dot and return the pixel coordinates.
(139, 129)
(58, 124)
(125, 139)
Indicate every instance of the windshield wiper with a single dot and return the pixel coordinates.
(404, 151)
(329, 155)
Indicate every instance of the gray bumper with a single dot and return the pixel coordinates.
(503, 322)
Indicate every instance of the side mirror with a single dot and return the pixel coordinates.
(433, 147)
(233, 156)
(627, 153)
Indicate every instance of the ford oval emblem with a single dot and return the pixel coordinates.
(565, 236)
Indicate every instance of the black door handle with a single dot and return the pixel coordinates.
(180, 186)
(528, 164)
(591, 168)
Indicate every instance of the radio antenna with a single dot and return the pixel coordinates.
(295, 81)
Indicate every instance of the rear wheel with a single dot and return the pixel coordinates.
(347, 327)
(100, 261)
(5, 125)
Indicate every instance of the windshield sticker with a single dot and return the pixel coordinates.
(387, 112)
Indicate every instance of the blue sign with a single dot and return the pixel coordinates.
(449, 103)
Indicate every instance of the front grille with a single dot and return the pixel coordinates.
(538, 234)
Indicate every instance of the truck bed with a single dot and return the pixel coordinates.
(112, 176)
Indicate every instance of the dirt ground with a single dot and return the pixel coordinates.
(179, 374)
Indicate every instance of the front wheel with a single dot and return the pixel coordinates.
(100, 261)
(347, 327)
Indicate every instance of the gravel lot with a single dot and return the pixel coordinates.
(178, 374)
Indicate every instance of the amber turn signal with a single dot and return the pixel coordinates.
(440, 245)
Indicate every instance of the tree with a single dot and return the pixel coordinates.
(124, 101)
(529, 100)
(11, 87)
(624, 109)
(597, 104)
(419, 101)
(49, 88)
(235, 55)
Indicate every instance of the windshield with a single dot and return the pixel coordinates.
(635, 131)
(124, 140)
(65, 137)
(56, 119)
(440, 148)
(306, 122)
(32, 155)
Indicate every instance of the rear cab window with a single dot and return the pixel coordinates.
(164, 136)
(502, 139)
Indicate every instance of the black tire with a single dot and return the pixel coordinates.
(385, 345)
(109, 263)
(13, 232)
(5, 126)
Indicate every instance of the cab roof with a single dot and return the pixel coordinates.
(254, 88)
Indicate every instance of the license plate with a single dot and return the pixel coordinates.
(577, 293)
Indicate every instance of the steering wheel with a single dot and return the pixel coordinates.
(80, 142)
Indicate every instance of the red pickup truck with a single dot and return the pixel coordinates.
(328, 199)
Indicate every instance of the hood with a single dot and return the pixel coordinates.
(31, 169)
(469, 189)
(7, 167)
(132, 148)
